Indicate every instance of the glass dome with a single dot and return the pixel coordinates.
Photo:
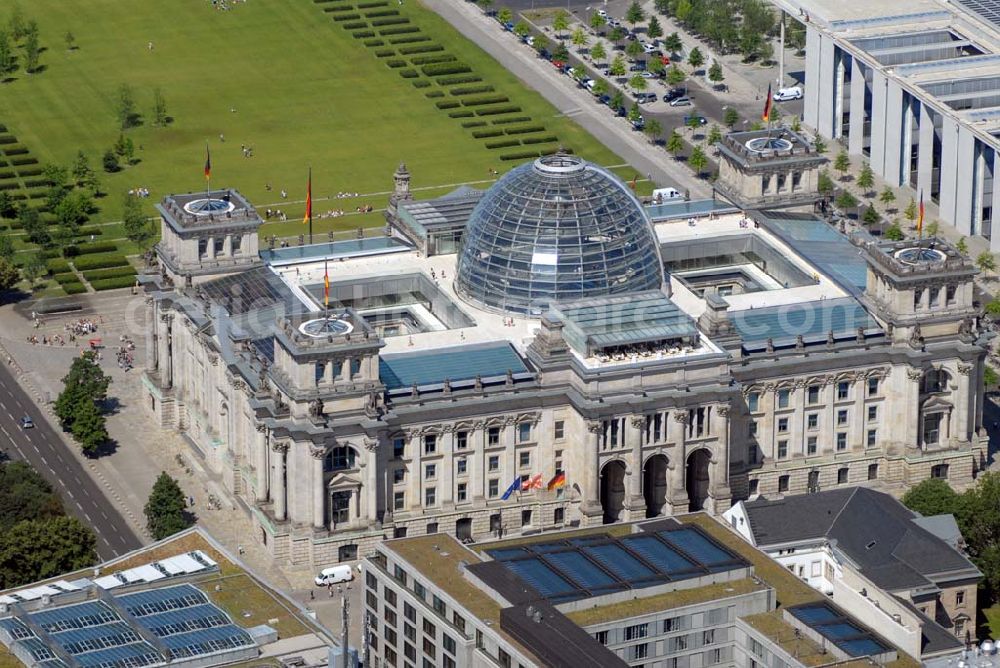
(553, 230)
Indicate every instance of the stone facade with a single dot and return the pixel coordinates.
(764, 168)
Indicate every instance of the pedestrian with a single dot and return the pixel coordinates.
(150, 46)
(222, 137)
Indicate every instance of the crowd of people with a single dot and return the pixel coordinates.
(125, 353)
(81, 326)
(139, 192)
(225, 5)
(275, 213)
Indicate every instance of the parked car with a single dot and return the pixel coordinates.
(621, 112)
(674, 93)
(558, 64)
(666, 195)
(645, 98)
(27, 423)
(682, 101)
(638, 66)
(614, 23)
(648, 75)
(603, 14)
(638, 123)
(334, 575)
(701, 119)
(605, 100)
(530, 40)
(786, 94)
(649, 47)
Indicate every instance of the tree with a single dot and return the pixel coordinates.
(990, 377)
(846, 201)
(32, 51)
(6, 247)
(675, 76)
(34, 268)
(110, 162)
(617, 100)
(633, 50)
(37, 549)
(910, 211)
(17, 26)
(655, 66)
(634, 115)
(933, 496)
(505, 16)
(714, 135)
(7, 207)
(560, 22)
(866, 179)
(84, 383)
(617, 68)
(871, 215)
(73, 210)
(654, 29)
(25, 495)
(70, 40)
(672, 43)
(887, 197)
(993, 308)
(522, 29)
(560, 53)
(963, 247)
(9, 274)
(636, 82)
(634, 13)
(979, 519)
(125, 107)
(695, 58)
(697, 160)
(597, 52)
(597, 22)
(819, 145)
(694, 122)
(600, 87)
(617, 34)
(578, 73)
(653, 130)
(89, 427)
(485, 5)
(824, 184)
(34, 227)
(136, 226)
(579, 37)
(796, 124)
(730, 117)
(165, 510)
(933, 229)
(7, 58)
(541, 43)
(766, 52)
(842, 164)
(985, 261)
(715, 74)
(675, 144)
(895, 233)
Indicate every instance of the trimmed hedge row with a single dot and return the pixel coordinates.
(519, 156)
(451, 81)
(16, 162)
(445, 68)
(115, 272)
(73, 288)
(355, 25)
(461, 113)
(380, 12)
(401, 30)
(434, 94)
(392, 21)
(395, 63)
(428, 60)
(483, 134)
(503, 143)
(85, 231)
(524, 129)
(113, 283)
(8, 139)
(385, 53)
(362, 34)
(420, 48)
(544, 139)
(369, 5)
(476, 101)
(421, 83)
(471, 90)
(374, 42)
(62, 279)
(58, 266)
(409, 74)
(473, 124)
(446, 104)
(493, 111)
(410, 40)
(31, 171)
(100, 261)
(512, 119)
(87, 249)
(346, 17)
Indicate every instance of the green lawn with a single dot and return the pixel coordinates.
(305, 93)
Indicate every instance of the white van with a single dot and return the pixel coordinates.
(661, 195)
(334, 575)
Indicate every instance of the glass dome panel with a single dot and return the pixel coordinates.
(553, 230)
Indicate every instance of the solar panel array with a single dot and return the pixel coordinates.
(95, 635)
(989, 10)
(839, 629)
(571, 569)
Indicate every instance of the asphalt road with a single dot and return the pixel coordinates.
(45, 450)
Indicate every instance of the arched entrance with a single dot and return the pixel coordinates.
(613, 491)
(697, 479)
(654, 485)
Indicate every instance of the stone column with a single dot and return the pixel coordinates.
(319, 489)
(635, 502)
(371, 484)
(280, 450)
(477, 473)
(677, 496)
(151, 326)
(719, 493)
(960, 430)
(855, 138)
(591, 505)
(912, 408)
(859, 425)
(260, 462)
(414, 473)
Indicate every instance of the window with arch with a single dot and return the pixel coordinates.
(935, 380)
(339, 458)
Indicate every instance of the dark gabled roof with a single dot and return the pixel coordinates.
(554, 639)
(874, 530)
(934, 637)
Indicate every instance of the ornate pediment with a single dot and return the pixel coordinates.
(936, 404)
(344, 480)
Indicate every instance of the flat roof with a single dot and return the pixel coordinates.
(334, 250)
(618, 321)
(488, 360)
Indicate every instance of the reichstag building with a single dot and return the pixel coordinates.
(551, 353)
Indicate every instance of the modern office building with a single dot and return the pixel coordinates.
(913, 87)
(677, 592)
(543, 354)
(870, 554)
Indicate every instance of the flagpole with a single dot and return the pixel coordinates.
(310, 210)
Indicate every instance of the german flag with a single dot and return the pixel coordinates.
(208, 163)
(920, 216)
(326, 286)
(558, 481)
(309, 199)
(766, 116)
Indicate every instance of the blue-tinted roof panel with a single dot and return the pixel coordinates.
(398, 370)
(581, 569)
(619, 562)
(822, 245)
(540, 576)
(837, 628)
(812, 320)
(698, 546)
(655, 552)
